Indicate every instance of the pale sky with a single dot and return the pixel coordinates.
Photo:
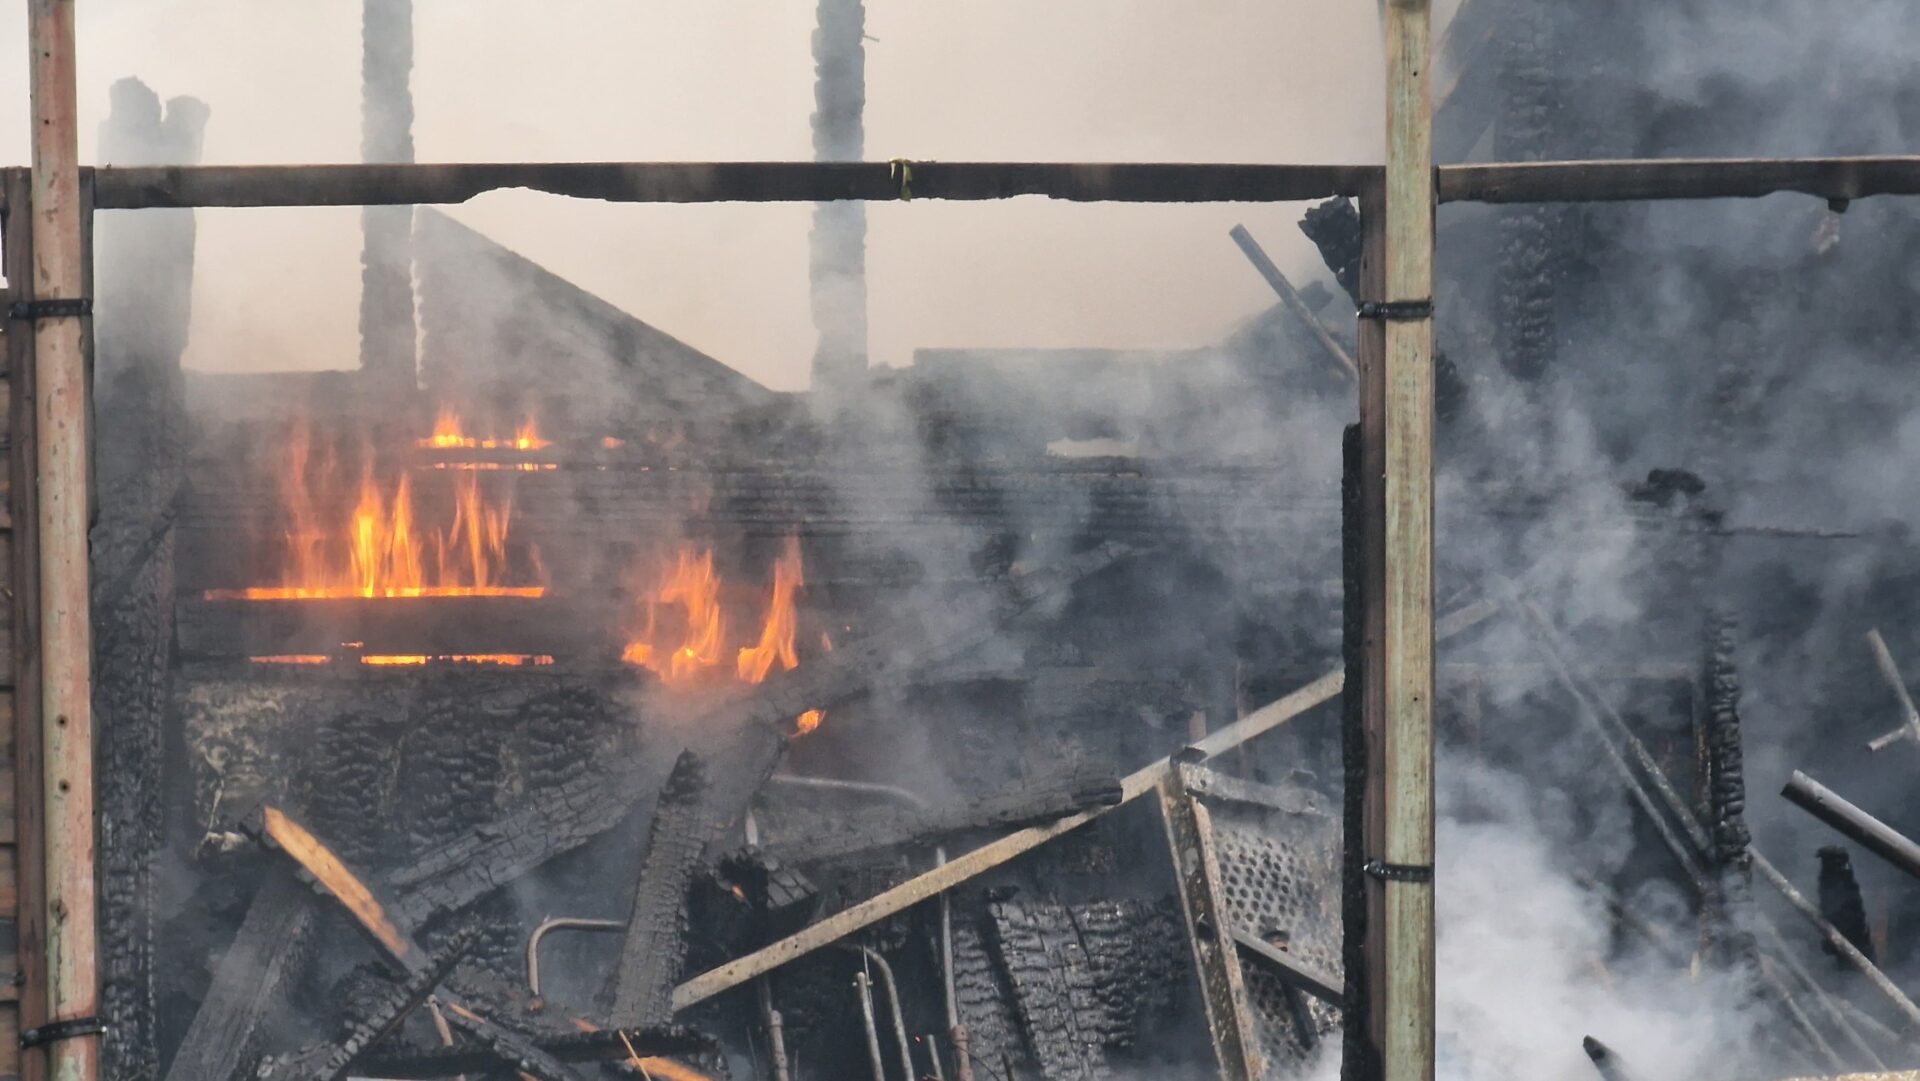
(1115, 80)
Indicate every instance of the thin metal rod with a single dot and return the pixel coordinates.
(66, 642)
(776, 1028)
(559, 923)
(1869, 832)
(1290, 298)
(892, 992)
(865, 990)
(1889, 671)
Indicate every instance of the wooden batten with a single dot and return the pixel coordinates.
(20, 952)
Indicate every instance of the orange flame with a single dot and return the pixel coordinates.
(808, 721)
(382, 549)
(691, 587)
(450, 434)
(776, 637)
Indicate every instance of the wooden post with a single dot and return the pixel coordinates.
(29, 810)
(1396, 426)
(66, 642)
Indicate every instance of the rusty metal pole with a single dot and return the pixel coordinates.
(1396, 428)
(58, 319)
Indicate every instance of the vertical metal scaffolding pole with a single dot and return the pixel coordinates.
(1396, 424)
(56, 313)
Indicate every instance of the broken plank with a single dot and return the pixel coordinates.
(1291, 969)
(654, 945)
(269, 947)
(330, 1062)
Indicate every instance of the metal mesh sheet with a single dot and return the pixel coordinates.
(1280, 873)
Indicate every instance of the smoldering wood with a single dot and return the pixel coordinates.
(1604, 1060)
(249, 982)
(330, 1062)
(335, 877)
(233, 628)
(1853, 823)
(1041, 800)
(1841, 902)
(603, 1046)
(654, 944)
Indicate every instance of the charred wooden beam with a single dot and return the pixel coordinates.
(1290, 297)
(1041, 800)
(375, 915)
(1869, 832)
(1604, 1060)
(1836, 179)
(604, 1045)
(714, 182)
(248, 981)
(655, 942)
(330, 1062)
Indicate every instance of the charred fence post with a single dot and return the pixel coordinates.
(1726, 798)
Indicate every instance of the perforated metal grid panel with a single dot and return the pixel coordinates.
(1280, 873)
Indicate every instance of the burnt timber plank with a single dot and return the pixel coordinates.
(1032, 803)
(373, 913)
(654, 945)
(271, 944)
(330, 1062)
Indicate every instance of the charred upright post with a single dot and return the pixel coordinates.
(386, 258)
(839, 239)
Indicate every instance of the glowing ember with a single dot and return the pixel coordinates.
(448, 434)
(392, 660)
(808, 721)
(380, 548)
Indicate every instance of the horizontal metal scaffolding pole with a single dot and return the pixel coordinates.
(808, 182)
